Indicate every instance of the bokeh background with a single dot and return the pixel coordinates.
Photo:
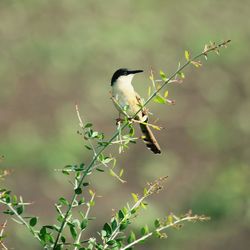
(54, 54)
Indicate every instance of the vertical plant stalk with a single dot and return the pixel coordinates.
(85, 217)
(207, 49)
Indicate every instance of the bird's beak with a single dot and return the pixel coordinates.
(135, 71)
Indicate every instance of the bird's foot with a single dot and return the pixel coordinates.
(119, 120)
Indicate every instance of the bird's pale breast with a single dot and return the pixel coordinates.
(126, 96)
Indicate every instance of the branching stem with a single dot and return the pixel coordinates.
(187, 218)
(21, 219)
(91, 164)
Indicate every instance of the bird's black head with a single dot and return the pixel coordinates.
(123, 72)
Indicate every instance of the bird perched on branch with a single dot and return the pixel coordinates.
(128, 102)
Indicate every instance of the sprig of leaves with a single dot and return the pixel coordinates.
(159, 226)
(123, 217)
(15, 207)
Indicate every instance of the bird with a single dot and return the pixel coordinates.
(126, 98)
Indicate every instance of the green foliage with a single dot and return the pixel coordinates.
(73, 214)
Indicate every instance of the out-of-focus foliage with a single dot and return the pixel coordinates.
(56, 53)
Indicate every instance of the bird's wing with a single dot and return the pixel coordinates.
(140, 104)
(118, 107)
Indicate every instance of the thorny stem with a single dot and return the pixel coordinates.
(89, 168)
(21, 219)
(82, 126)
(187, 218)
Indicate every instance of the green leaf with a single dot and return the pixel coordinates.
(78, 190)
(135, 197)
(144, 205)
(121, 238)
(112, 173)
(170, 219)
(42, 233)
(131, 237)
(133, 211)
(111, 242)
(8, 212)
(84, 224)
(33, 221)
(157, 234)
(51, 227)
(92, 203)
(181, 74)
(59, 218)
(65, 172)
(73, 232)
(81, 165)
(87, 147)
(166, 94)
(63, 201)
(81, 201)
(94, 134)
(163, 76)
(131, 130)
(125, 210)
(63, 239)
(157, 223)
(14, 200)
(88, 125)
(159, 99)
(121, 215)
(58, 247)
(107, 228)
(19, 209)
(121, 173)
(107, 160)
(91, 193)
(145, 230)
(124, 225)
(114, 224)
(100, 170)
(187, 55)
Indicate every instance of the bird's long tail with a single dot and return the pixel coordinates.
(149, 139)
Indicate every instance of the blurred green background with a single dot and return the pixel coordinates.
(54, 54)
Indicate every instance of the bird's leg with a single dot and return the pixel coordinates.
(119, 119)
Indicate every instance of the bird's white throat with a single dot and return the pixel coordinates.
(123, 87)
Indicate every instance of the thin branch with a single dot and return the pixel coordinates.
(187, 218)
(148, 124)
(1, 235)
(82, 126)
(21, 219)
(85, 217)
(124, 140)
